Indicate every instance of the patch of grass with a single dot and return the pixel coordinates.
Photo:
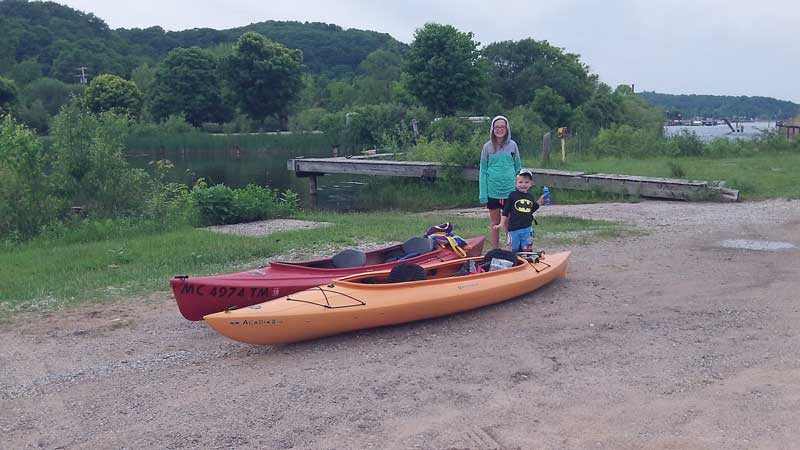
(51, 273)
(769, 175)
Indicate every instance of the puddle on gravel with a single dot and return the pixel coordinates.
(749, 244)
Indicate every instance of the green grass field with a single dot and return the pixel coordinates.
(44, 274)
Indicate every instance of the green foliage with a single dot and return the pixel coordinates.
(602, 110)
(367, 126)
(439, 150)
(453, 129)
(687, 144)
(527, 130)
(26, 203)
(41, 99)
(89, 166)
(51, 92)
(412, 195)
(61, 39)
(186, 83)
(263, 76)
(442, 69)
(26, 71)
(144, 76)
(676, 170)
(169, 203)
(110, 93)
(624, 141)
(518, 69)
(551, 107)
(8, 95)
(35, 116)
(307, 119)
(219, 204)
(327, 49)
(638, 113)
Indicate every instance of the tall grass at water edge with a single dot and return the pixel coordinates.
(140, 140)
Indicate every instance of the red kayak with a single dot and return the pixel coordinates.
(200, 296)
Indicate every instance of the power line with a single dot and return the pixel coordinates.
(83, 75)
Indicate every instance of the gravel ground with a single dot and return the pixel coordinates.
(662, 340)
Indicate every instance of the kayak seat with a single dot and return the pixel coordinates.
(406, 272)
(394, 255)
(349, 258)
(413, 247)
(467, 268)
(418, 245)
(498, 253)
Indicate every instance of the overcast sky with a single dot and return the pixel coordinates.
(720, 47)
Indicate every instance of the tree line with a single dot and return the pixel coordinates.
(278, 75)
(722, 106)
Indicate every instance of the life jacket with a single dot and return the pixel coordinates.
(443, 235)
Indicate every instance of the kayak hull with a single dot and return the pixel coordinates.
(199, 296)
(349, 304)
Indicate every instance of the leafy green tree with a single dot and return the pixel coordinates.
(187, 83)
(264, 77)
(25, 196)
(640, 114)
(381, 70)
(8, 95)
(40, 100)
(442, 69)
(111, 93)
(26, 71)
(519, 68)
(603, 110)
(144, 76)
(88, 164)
(553, 109)
(34, 115)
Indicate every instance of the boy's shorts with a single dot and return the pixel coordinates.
(521, 240)
(495, 203)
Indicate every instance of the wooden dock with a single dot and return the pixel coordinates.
(668, 188)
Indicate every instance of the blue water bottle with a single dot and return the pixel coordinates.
(546, 193)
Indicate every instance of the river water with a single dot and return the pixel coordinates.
(709, 133)
(267, 167)
(261, 167)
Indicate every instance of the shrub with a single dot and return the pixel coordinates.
(220, 204)
(26, 195)
(626, 141)
(676, 170)
(445, 152)
(88, 165)
(452, 129)
(687, 144)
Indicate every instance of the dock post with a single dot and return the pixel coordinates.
(312, 191)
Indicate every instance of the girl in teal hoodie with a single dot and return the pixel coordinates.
(500, 163)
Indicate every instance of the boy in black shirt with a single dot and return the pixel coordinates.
(518, 213)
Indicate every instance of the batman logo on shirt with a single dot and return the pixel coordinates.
(523, 205)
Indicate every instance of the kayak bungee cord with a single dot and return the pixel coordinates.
(327, 302)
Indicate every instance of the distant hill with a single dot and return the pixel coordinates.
(722, 106)
(61, 39)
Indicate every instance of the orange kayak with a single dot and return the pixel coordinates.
(366, 300)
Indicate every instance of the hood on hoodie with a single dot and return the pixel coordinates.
(508, 127)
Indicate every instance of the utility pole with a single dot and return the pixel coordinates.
(82, 75)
